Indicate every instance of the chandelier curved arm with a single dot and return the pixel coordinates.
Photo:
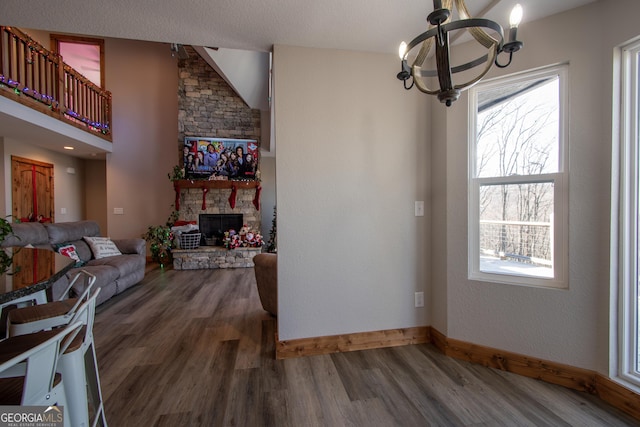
(458, 25)
(458, 68)
(499, 65)
(418, 73)
(427, 38)
(490, 61)
(424, 51)
(479, 34)
(485, 32)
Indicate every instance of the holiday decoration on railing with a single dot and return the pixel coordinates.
(37, 70)
(47, 99)
(102, 127)
(20, 89)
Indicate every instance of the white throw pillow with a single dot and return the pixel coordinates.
(102, 247)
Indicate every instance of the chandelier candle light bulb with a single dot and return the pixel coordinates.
(402, 50)
(516, 16)
(514, 21)
(487, 33)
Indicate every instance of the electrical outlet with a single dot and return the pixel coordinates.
(419, 299)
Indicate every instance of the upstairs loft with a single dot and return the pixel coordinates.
(38, 86)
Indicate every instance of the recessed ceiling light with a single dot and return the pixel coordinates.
(68, 147)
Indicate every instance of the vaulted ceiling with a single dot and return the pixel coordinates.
(362, 25)
(247, 27)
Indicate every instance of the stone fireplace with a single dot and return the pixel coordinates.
(209, 107)
(197, 198)
(207, 203)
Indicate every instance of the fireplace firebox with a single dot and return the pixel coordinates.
(213, 227)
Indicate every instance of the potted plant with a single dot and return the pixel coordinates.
(176, 174)
(160, 240)
(5, 258)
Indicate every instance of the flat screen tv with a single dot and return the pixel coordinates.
(220, 158)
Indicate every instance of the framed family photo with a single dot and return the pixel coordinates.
(220, 158)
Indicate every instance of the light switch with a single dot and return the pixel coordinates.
(118, 211)
(419, 208)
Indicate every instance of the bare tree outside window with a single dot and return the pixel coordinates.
(516, 155)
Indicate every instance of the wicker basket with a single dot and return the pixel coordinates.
(190, 240)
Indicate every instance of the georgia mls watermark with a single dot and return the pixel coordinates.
(31, 416)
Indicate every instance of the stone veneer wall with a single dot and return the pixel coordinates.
(209, 107)
(217, 202)
(212, 257)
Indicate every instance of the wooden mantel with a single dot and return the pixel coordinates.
(207, 185)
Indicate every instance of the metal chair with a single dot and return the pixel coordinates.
(26, 320)
(78, 364)
(28, 365)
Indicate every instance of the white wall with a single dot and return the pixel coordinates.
(268, 194)
(566, 326)
(68, 188)
(353, 156)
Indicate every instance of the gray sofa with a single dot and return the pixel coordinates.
(113, 274)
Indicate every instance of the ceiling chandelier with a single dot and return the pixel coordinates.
(438, 35)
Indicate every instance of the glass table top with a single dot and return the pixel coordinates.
(33, 270)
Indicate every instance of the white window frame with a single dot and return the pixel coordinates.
(559, 179)
(625, 211)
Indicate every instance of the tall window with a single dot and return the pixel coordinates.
(518, 197)
(85, 55)
(625, 213)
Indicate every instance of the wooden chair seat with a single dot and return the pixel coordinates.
(12, 383)
(13, 346)
(77, 342)
(41, 311)
(11, 389)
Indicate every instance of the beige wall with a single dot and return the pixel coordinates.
(143, 80)
(567, 326)
(95, 194)
(354, 152)
(68, 187)
(353, 157)
(341, 269)
(439, 213)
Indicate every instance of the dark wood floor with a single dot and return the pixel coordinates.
(195, 348)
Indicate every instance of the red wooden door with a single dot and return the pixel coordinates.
(32, 200)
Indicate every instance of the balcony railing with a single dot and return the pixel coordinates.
(526, 242)
(38, 78)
